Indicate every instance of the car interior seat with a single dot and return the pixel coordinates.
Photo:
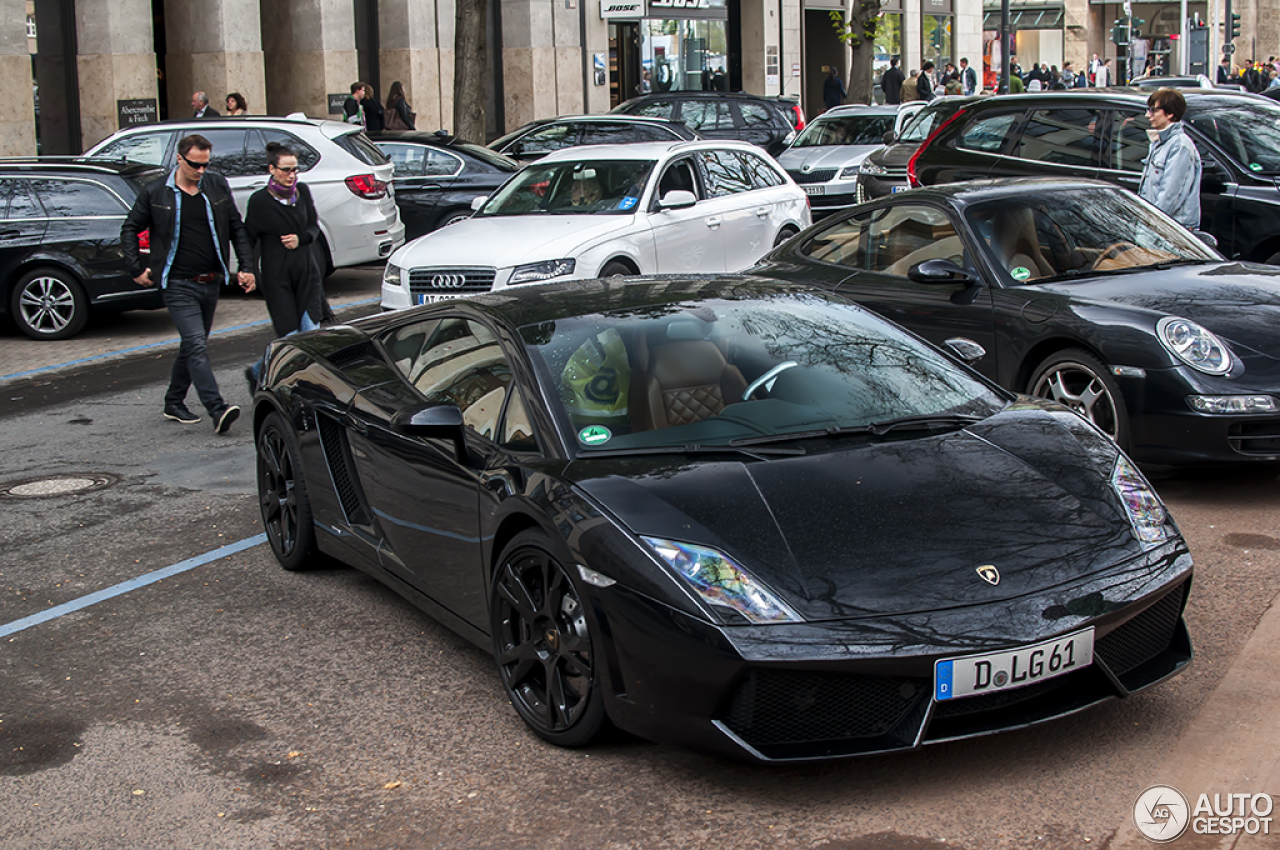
(686, 379)
(1016, 243)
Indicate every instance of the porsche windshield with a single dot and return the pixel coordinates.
(712, 372)
(846, 130)
(593, 187)
(1083, 232)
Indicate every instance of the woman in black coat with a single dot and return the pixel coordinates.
(281, 220)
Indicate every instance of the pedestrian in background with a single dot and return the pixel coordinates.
(1102, 77)
(236, 104)
(910, 87)
(833, 92)
(953, 86)
(398, 114)
(193, 222)
(282, 222)
(372, 108)
(891, 83)
(201, 107)
(1171, 174)
(351, 111)
(924, 82)
(968, 77)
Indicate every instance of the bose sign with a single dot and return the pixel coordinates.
(626, 9)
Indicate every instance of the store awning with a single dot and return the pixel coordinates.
(1024, 16)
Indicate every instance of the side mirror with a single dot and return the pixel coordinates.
(677, 199)
(1207, 238)
(433, 422)
(939, 271)
(967, 350)
(478, 202)
(889, 137)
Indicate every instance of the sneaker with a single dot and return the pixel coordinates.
(228, 416)
(250, 380)
(179, 413)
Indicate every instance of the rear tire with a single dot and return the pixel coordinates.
(48, 304)
(783, 235)
(453, 218)
(282, 495)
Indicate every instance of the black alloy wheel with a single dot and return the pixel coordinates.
(282, 495)
(543, 645)
(1076, 379)
(49, 303)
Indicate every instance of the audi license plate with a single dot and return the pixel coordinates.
(433, 297)
(1014, 668)
(815, 190)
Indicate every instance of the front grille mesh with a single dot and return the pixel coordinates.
(1255, 438)
(821, 175)
(436, 281)
(773, 707)
(1143, 637)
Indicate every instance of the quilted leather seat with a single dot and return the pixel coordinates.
(687, 381)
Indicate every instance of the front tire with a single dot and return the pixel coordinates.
(613, 268)
(49, 304)
(1076, 379)
(546, 654)
(282, 495)
(453, 218)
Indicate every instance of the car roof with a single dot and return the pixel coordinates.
(1116, 94)
(295, 119)
(688, 95)
(988, 189)
(438, 138)
(646, 150)
(858, 109)
(77, 165)
(610, 117)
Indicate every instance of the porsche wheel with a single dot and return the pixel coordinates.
(1074, 378)
(49, 304)
(282, 494)
(543, 645)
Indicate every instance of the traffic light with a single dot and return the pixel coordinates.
(1120, 32)
(1235, 25)
(1136, 31)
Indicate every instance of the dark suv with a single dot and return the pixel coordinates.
(884, 171)
(719, 115)
(60, 252)
(1103, 135)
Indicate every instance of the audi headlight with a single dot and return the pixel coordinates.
(392, 276)
(1146, 512)
(534, 272)
(869, 167)
(721, 583)
(1194, 345)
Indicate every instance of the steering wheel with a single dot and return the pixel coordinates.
(766, 380)
(1115, 249)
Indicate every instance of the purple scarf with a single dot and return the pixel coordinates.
(288, 194)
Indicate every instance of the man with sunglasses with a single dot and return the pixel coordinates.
(193, 222)
(1171, 173)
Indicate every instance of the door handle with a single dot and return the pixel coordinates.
(713, 221)
(10, 233)
(762, 212)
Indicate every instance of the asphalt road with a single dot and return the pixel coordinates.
(234, 705)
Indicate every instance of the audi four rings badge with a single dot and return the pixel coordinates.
(448, 281)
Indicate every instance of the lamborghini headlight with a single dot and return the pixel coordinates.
(1146, 512)
(1194, 345)
(722, 583)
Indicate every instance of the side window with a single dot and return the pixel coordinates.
(703, 115)
(405, 344)
(22, 204)
(725, 174)
(442, 164)
(462, 363)
(547, 139)
(307, 155)
(1129, 141)
(141, 147)
(656, 109)
(409, 160)
(989, 134)
(761, 173)
(517, 430)
(844, 244)
(228, 156)
(678, 177)
(756, 115)
(645, 133)
(76, 198)
(902, 236)
(599, 133)
(1063, 137)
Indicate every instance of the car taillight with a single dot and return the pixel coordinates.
(912, 180)
(799, 117)
(367, 186)
(144, 241)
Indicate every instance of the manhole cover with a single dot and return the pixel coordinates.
(50, 487)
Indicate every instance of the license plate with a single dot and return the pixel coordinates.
(431, 298)
(896, 189)
(1013, 668)
(815, 190)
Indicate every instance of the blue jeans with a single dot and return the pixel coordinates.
(191, 307)
(256, 366)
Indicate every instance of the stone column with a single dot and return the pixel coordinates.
(759, 27)
(966, 29)
(415, 46)
(116, 61)
(17, 113)
(542, 61)
(214, 46)
(309, 52)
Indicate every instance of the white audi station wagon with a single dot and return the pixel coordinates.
(608, 210)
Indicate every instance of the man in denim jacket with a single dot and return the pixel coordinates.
(1171, 174)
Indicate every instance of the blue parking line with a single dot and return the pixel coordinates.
(172, 341)
(132, 584)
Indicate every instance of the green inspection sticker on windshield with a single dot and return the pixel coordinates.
(594, 435)
(1020, 272)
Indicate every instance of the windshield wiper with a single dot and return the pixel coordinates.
(693, 448)
(926, 422)
(1185, 261)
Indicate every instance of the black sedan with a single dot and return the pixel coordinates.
(1077, 291)
(438, 176)
(734, 515)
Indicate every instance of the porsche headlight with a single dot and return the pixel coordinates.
(869, 167)
(1194, 345)
(1146, 512)
(392, 275)
(535, 272)
(722, 583)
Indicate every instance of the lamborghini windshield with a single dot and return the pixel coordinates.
(727, 369)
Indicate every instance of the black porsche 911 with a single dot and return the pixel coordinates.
(1078, 291)
(735, 515)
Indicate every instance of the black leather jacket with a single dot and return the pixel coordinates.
(155, 208)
